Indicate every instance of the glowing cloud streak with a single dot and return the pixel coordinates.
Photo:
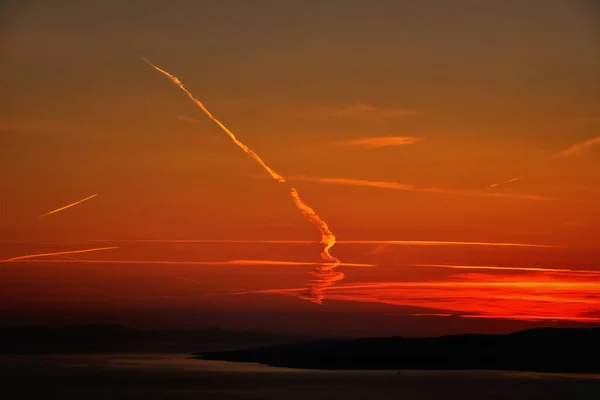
(525, 297)
(68, 206)
(58, 253)
(326, 275)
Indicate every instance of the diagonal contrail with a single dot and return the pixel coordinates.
(410, 188)
(325, 275)
(578, 147)
(58, 253)
(568, 152)
(68, 206)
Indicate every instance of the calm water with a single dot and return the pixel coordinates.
(174, 376)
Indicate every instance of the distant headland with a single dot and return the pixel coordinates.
(564, 350)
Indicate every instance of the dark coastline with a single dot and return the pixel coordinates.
(557, 350)
(122, 339)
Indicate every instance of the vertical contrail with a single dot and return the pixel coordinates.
(68, 206)
(325, 275)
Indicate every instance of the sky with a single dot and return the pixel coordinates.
(451, 148)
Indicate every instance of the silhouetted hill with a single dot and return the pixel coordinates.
(116, 338)
(540, 349)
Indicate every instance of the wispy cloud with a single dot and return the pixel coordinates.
(361, 110)
(410, 188)
(578, 147)
(382, 141)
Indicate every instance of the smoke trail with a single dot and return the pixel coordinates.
(68, 206)
(325, 275)
(58, 253)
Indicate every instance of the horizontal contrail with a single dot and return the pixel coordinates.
(441, 243)
(68, 206)
(488, 267)
(578, 147)
(58, 253)
(303, 264)
(409, 188)
(167, 262)
(384, 141)
(358, 242)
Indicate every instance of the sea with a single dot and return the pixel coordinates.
(177, 376)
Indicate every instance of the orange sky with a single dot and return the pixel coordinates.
(391, 119)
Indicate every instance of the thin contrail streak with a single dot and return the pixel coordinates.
(358, 242)
(314, 294)
(68, 206)
(502, 183)
(58, 253)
